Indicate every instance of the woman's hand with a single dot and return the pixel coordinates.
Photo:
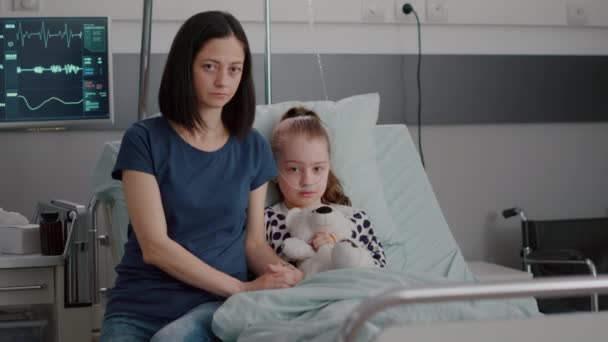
(291, 274)
(320, 238)
(278, 276)
(266, 281)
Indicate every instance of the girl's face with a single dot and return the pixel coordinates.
(303, 170)
(217, 71)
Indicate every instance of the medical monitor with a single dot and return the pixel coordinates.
(55, 72)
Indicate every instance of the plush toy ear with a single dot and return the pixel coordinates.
(291, 215)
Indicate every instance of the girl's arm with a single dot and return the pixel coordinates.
(366, 238)
(148, 220)
(259, 253)
(276, 231)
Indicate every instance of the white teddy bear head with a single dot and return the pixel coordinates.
(304, 223)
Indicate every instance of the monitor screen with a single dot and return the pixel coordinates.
(54, 72)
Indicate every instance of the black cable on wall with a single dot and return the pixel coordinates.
(407, 10)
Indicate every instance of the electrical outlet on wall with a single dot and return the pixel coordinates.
(576, 14)
(26, 5)
(373, 10)
(437, 10)
(418, 6)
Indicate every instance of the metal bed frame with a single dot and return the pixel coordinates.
(539, 288)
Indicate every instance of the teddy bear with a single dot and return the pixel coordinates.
(303, 223)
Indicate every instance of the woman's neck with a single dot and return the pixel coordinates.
(208, 138)
(207, 133)
(212, 117)
(214, 126)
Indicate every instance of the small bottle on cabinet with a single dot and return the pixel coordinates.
(51, 234)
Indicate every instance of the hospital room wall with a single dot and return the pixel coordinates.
(552, 169)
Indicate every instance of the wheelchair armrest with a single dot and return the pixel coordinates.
(557, 255)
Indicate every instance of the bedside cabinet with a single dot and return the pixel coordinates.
(38, 282)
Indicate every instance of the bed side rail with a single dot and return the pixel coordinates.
(553, 287)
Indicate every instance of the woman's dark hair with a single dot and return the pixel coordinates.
(177, 98)
(300, 120)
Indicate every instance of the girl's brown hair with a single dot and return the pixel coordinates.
(303, 121)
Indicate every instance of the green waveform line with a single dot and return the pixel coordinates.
(47, 100)
(45, 35)
(66, 68)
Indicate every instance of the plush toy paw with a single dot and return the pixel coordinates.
(319, 262)
(296, 249)
(347, 254)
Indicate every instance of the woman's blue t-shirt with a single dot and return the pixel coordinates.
(204, 196)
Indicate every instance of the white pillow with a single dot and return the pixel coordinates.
(350, 124)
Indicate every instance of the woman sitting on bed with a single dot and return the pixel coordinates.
(300, 145)
(195, 182)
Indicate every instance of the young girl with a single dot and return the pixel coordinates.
(300, 145)
(195, 183)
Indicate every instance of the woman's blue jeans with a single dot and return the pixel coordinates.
(195, 325)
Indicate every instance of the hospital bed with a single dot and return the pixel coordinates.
(421, 246)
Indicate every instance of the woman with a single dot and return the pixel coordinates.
(195, 181)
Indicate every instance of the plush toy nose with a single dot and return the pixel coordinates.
(321, 216)
(323, 210)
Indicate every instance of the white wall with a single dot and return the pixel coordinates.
(550, 169)
(473, 26)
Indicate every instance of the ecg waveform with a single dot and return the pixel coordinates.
(46, 101)
(44, 34)
(55, 69)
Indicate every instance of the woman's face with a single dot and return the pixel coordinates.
(217, 71)
(303, 170)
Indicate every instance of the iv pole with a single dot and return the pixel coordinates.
(267, 71)
(144, 59)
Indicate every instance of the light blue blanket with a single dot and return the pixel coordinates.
(317, 307)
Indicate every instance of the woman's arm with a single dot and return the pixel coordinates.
(148, 220)
(259, 253)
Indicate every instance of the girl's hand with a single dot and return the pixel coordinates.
(319, 239)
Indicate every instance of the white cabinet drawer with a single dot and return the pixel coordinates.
(24, 286)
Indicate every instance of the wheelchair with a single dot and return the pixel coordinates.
(564, 247)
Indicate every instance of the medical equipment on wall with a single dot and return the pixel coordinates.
(56, 72)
